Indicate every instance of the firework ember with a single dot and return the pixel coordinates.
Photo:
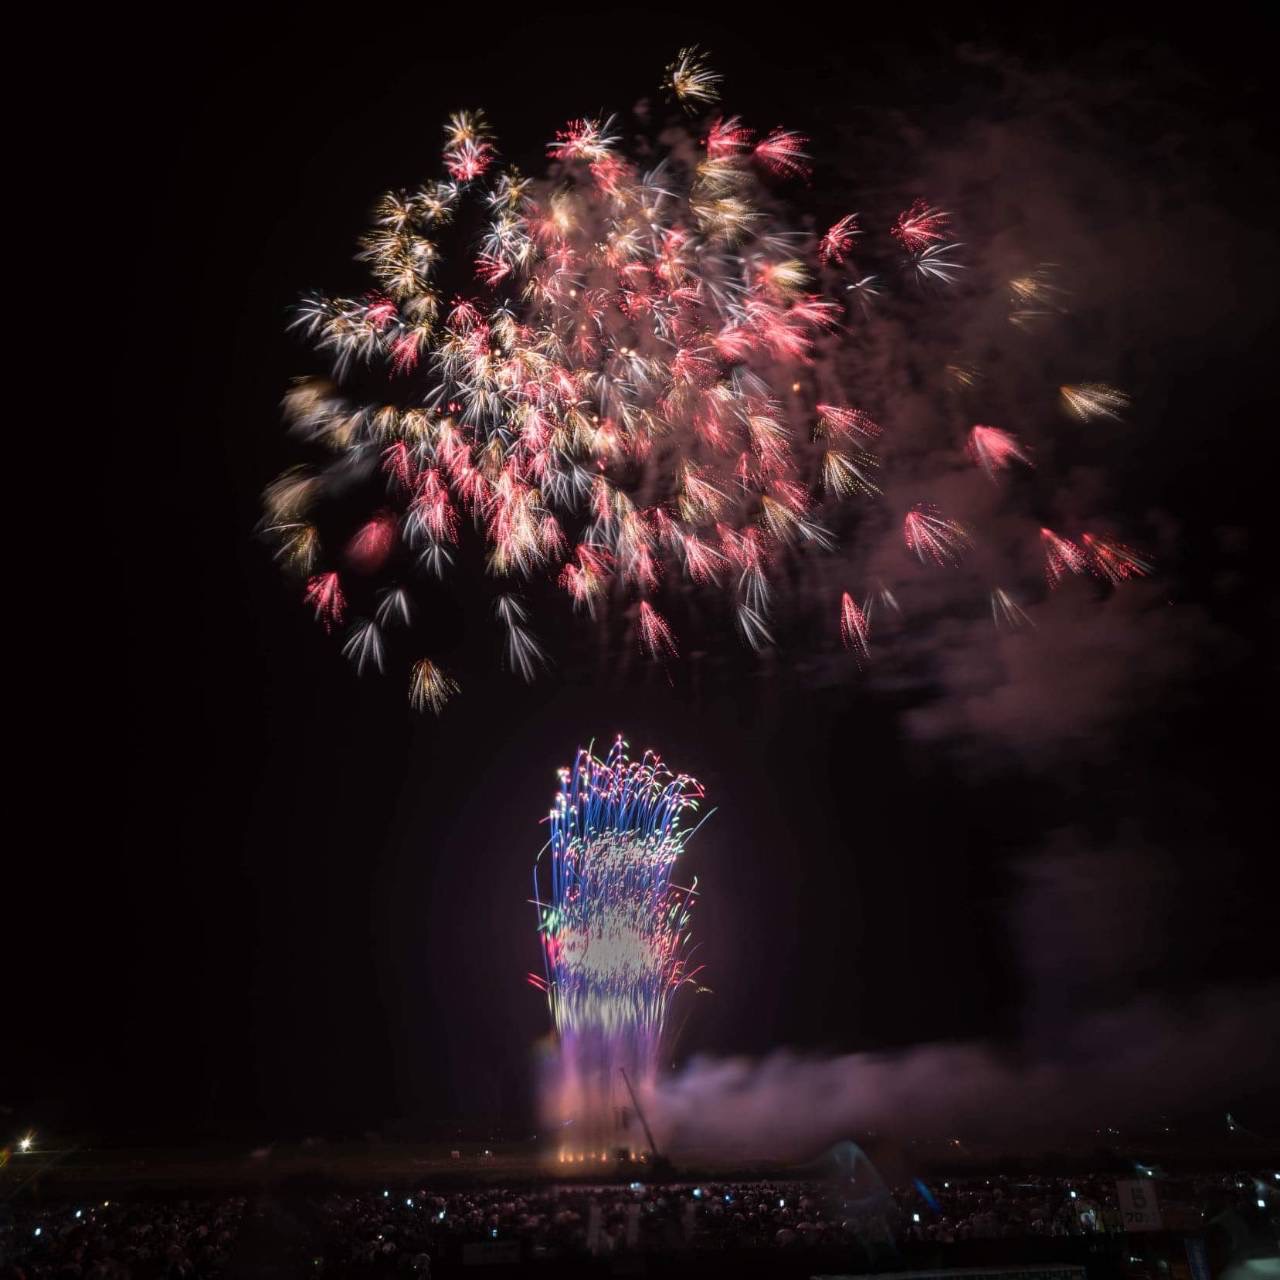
(1113, 560)
(626, 394)
(855, 630)
(1007, 613)
(932, 537)
(995, 450)
(1061, 557)
(1090, 400)
(614, 928)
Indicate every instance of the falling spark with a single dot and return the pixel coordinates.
(920, 226)
(1090, 400)
(932, 537)
(1061, 557)
(393, 606)
(324, 594)
(1007, 613)
(691, 80)
(524, 653)
(782, 153)
(855, 630)
(834, 247)
(933, 264)
(1035, 295)
(430, 687)
(655, 635)
(364, 646)
(995, 450)
(1113, 560)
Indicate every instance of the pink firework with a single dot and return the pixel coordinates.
(1113, 560)
(655, 635)
(1061, 557)
(835, 245)
(932, 537)
(920, 226)
(372, 544)
(782, 153)
(469, 161)
(324, 594)
(855, 630)
(843, 422)
(728, 138)
(995, 450)
(625, 403)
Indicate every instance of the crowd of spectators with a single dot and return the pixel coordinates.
(410, 1231)
(115, 1240)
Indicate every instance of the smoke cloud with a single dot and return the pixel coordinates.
(1124, 1067)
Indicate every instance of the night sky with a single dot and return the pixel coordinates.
(256, 897)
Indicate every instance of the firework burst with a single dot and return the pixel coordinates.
(930, 536)
(624, 393)
(855, 630)
(1007, 613)
(1113, 560)
(1090, 400)
(995, 450)
(614, 926)
(429, 687)
(1061, 557)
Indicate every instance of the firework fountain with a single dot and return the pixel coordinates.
(615, 934)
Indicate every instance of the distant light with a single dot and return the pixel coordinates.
(78, 1213)
(697, 1193)
(440, 1218)
(1262, 1204)
(915, 1217)
(1073, 1195)
(728, 1199)
(946, 1186)
(106, 1204)
(494, 1233)
(637, 1186)
(38, 1230)
(385, 1194)
(782, 1204)
(24, 1144)
(408, 1204)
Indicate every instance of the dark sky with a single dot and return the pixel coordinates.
(257, 897)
